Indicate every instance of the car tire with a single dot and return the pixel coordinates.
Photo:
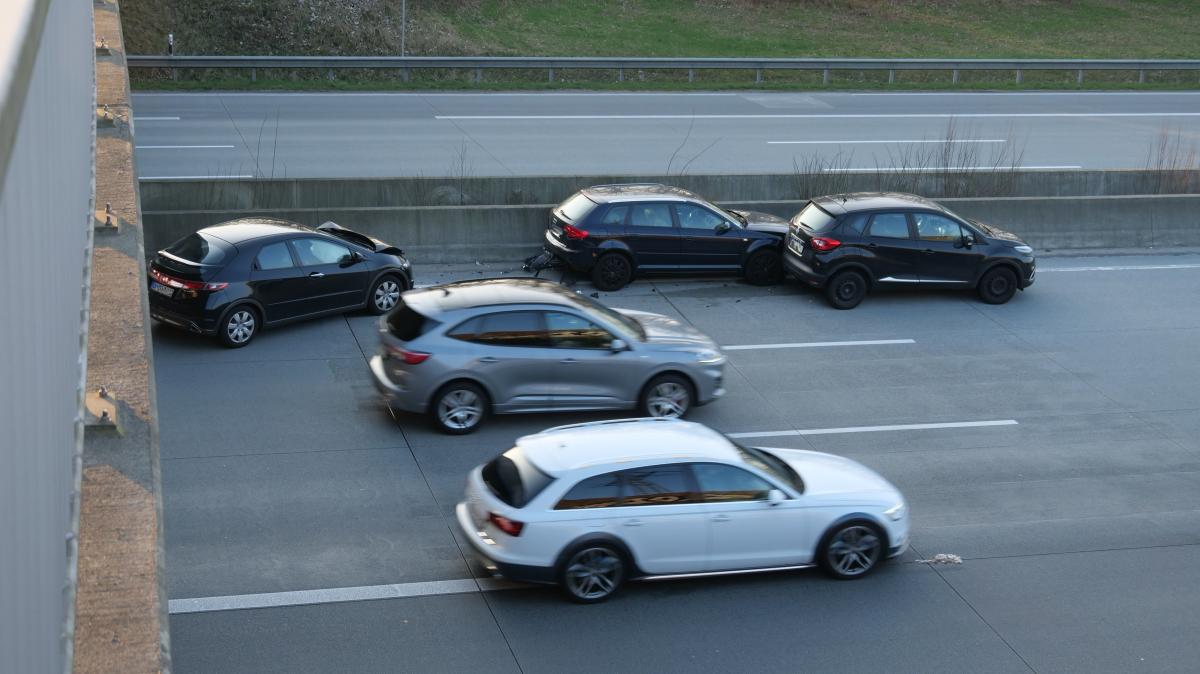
(851, 550)
(238, 326)
(998, 285)
(764, 268)
(613, 271)
(459, 408)
(592, 572)
(846, 289)
(668, 396)
(385, 294)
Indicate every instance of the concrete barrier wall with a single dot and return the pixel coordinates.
(406, 212)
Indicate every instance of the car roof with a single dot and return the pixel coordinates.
(489, 292)
(839, 204)
(563, 449)
(619, 192)
(245, 229)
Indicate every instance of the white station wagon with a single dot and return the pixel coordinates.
(590, 506)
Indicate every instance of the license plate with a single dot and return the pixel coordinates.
(161, 289)
(797, 246)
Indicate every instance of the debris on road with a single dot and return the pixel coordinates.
(941, 558)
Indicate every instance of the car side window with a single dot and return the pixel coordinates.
(467, 330)
(722, 483)
(600, 491)
(668, 484)
(513, 328)
(313, 252)
(274, 256)
(568, 331)
(692, 216)
(889, 226)
(934, 227)
(615, 216)
(856, 223)
(651, 215)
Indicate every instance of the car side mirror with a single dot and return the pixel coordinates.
(966, 241)
(775, 497)
(722, 228)
(618, 345)
(353, 258)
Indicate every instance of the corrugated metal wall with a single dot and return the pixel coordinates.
(45, 247)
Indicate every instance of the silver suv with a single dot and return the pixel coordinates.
(460, 350)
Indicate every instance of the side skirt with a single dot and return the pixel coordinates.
(735, 572)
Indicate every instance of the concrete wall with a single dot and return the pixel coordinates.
(46, 138)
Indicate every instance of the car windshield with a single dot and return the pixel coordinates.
(814, 219)
(771, 464)
(576, 208)
(612, 315)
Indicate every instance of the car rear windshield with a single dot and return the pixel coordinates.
(513, 479)
(406, 324)
(814, 220)
(199, 248)
(576, 208)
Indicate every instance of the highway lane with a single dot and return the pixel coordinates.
(1078, 523)
(451, 134)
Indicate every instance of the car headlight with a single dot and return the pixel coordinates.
(896, 512)
(1023, 249)
(709, 357)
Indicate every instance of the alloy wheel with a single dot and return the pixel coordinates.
(668, 399)
(460, 409)
(387, 294)
(854, 550)
(240, 327)
(593, 573)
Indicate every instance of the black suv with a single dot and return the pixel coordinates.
(850, 243)
(616, 231)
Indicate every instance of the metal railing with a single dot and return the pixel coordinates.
(551, 64)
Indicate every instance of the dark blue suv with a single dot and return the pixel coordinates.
(614, 232)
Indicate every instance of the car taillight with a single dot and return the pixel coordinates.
(510, 527)
(574, 232)
(409, 357)
(184, 283)
(823, 244)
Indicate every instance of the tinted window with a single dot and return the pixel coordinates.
(576, 208)
(657, 485)
(813, 219)
(513, 328)
(692, 216)
(314, 252)
(615, 216)
(601, 491)
(513, 479)
(933, 227)
(467, 330)
(856, 223)
(721, 483)
(568, 331)
(200, 249)
(275, 256)
(405, 324)
(890, 226)
(651, 215)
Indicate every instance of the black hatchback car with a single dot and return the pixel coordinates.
(233, 279)
(848, 244)
(616, 231)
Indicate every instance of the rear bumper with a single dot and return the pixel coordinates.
(491, 558)
(797, 267)
(200, 324)
(397, 397)
(578, 259)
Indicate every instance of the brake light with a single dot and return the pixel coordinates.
(184, 283)
(823, 244)
(574, 232)
(409, 357)
(510, 527)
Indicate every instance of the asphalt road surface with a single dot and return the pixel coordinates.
(329, 135)
(1053, 443)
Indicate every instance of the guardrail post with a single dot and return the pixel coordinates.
(954, 76)
(329, 74)
(1141, 77)
(551, 69)
(1079, 77)
(478, 75)
(691, 74)
(1018, 76)
(405, 73)
(892, 76)
(620, 74)
(825, 77)
(758, 75)
(254, 74)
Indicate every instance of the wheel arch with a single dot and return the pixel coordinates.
(852, 265)
(989, 266)
(253, 304)
(598, 537)
(456, 378)
(851, 518)
(668, 369)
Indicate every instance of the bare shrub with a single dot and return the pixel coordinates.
(1173, 163)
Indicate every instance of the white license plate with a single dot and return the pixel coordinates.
(797, 246)
(161, 289)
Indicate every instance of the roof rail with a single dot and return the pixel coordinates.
(606, 422)
(628, 185)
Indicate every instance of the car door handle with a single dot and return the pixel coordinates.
(568, 361)
(633, 523)
(928, 251)
(489, 359)
(316, 274)
(720, 518)
(872, 245)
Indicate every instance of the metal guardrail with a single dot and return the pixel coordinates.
(622, 63)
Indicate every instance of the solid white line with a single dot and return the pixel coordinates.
(336, 594)
(876, 429)
(183, 147)
(156, 119)
(1130, 267)
(192, 177)
(811, 345)
(878, 169)
(867, 142)
(430, 94)
(914, 115)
